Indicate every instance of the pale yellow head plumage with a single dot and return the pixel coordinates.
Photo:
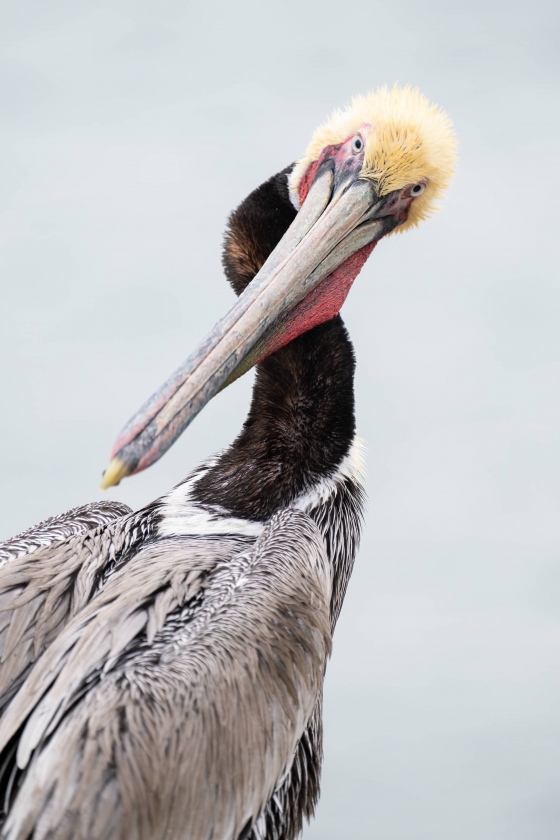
(410, 140)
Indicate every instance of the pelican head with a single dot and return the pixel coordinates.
(377, 167)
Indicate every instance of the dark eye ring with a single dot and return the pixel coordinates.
(417, 189)
(357, 144)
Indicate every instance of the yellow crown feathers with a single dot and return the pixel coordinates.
(410, 140)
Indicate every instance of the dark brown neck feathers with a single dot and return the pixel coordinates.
(301, 422)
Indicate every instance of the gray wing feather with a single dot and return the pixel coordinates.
(60, 528)
(171, 705)
(41, 589)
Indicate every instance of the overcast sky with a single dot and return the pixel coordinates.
(129, 130)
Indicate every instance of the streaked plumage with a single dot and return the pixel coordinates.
(162, 670)
(170, 574)
(59, 529)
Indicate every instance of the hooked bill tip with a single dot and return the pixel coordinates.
(115, 472)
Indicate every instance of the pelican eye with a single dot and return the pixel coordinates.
(357, 144)
(417, 189)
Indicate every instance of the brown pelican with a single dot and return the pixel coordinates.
(162, 670)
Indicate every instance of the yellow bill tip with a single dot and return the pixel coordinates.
(115, 472)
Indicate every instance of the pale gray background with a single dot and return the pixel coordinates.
(129, 130)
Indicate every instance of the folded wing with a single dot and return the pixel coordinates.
(172, 704)
(58, 529)
(46, 575)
